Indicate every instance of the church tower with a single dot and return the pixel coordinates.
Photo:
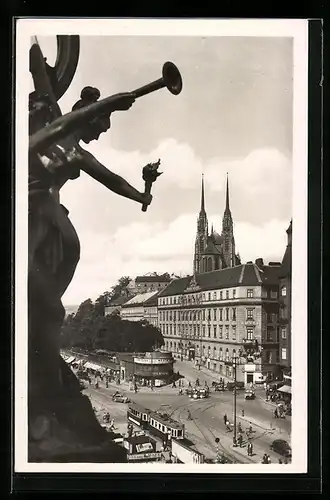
(228, 233)
(202, 233)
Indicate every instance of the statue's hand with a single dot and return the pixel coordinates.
(123, 101)
(146, 199)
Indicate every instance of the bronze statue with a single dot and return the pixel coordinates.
(62, 424)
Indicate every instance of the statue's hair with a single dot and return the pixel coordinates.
(88, 95)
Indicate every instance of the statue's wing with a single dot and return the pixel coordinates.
(62, 73)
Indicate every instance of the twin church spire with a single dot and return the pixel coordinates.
(214, 251)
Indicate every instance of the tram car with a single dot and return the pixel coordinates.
(160, 425)
(138, 415)
(165, 427)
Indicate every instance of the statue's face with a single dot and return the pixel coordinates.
(95, 128)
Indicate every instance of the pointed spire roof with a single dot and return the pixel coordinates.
(202, 197)
(227, 209)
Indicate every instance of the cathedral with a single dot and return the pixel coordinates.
(214, 251)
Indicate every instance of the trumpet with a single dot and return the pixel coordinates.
(171, 78)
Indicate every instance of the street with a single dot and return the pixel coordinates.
(206, 420)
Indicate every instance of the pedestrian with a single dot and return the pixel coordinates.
(251, 449)
(280, 461)
(240, 430)
(275, 413)
(240, 440)
(242, 413)
(228, 426)
(248, 449)
(225, 418)
(189, 415)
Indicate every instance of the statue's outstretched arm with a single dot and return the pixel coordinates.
(112, 181)
(71, 122)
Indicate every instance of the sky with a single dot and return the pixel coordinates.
(234, 115)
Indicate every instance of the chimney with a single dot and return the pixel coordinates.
(259, 262)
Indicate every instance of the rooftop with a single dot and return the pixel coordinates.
(153, 278)
(141, 298)
(242, 275)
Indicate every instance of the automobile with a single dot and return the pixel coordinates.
(119, 398)
(219, 387)
(230, 385)
(250, 395)
(281, 447)
(200, 394)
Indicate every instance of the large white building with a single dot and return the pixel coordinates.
(210, 318)
(142, 306)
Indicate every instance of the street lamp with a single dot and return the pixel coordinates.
(251, 351)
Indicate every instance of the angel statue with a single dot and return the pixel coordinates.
(62, 424)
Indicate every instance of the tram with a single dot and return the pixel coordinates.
(159, 424)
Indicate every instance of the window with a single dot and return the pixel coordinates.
(203, 330)
(220, 331)
(209, 314)
(227, 355)
(273, 294)
(220, 314)
(166, 329)
(209, 295)
(209, 331)
(227, 332)
(269, 334)
(234, 294)
(249, 333)
(215, 332)
(170, 329)
(171, 300)
(214, 314)
(214, 295)
(283, 291)
(174, 329)
(283, 331)
(203, 315)
(234, 332)
(227, 294)
(220, 353)
(198, 330)
(220, 295)
(234, 313)
(174, 315)
(166, 315)
(250, 293)
(249, 314)
(227, 313)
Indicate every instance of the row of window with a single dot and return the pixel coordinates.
(203, 297)
(222, 314)
(217, 331)
(221, 295)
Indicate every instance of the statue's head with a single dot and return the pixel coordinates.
(95, 127)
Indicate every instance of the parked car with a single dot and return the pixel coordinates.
(282, 447)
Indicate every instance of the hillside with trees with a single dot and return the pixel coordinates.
(90, 329)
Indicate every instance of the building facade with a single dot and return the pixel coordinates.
(142, 306)
(214, 251)
(211, 317)
(115, 305)
(151, 282)
(285, 299)
(155, 367)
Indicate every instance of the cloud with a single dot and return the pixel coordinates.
(139, 248)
